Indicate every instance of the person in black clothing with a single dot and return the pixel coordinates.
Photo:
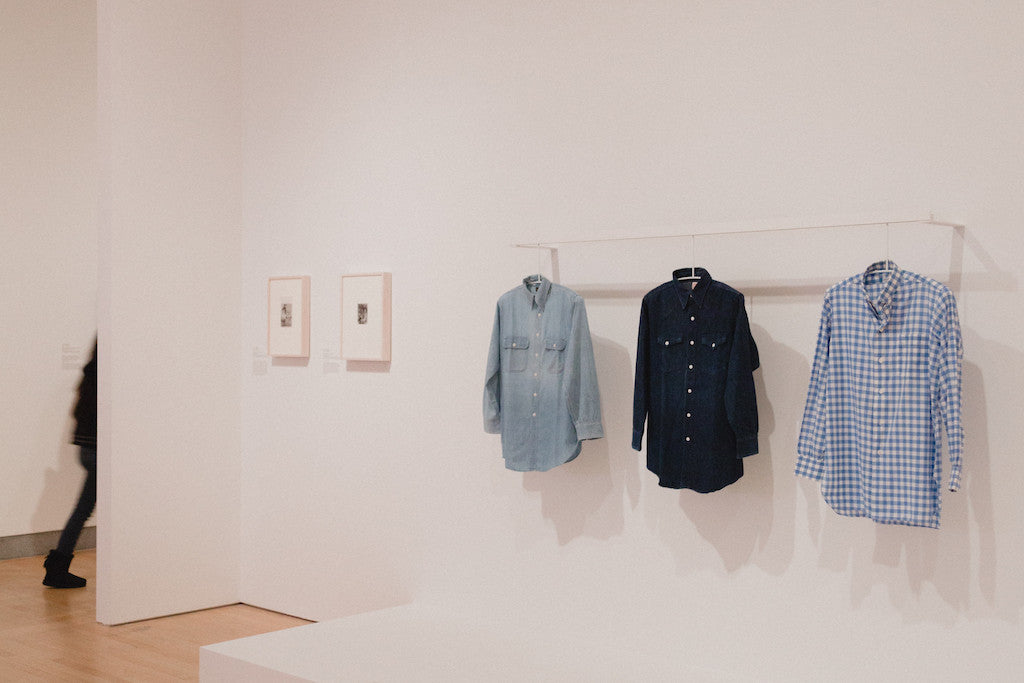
(59, 559)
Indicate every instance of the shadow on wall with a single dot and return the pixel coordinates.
(288, 362)
(584, 497)
(940, 557)
(58, 497)
(371, 366)
(752, 520)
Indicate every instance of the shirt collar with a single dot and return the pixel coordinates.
(537, 294)
(699, 291)
(883, 307)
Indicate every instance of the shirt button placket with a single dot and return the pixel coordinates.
(535, 361)
(690, 379)
(878, 387)
(535, 368)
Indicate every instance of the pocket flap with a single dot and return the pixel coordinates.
(517, 342)
(714, 339)
(669, 341)
(554, 344)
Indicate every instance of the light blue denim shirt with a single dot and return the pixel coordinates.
(541, 388)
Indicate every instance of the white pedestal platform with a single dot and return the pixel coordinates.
(427, 643)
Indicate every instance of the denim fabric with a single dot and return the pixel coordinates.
(540, 392)
(694, 384)
(886, 379)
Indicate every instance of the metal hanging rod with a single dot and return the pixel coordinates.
(930, 220)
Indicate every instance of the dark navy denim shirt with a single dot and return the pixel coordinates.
(694, 384)
(540, 392)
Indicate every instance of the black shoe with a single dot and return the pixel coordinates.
(57, 574)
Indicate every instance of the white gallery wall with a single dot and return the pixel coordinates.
(48, 259)
(243, 140)
(425, 138)
(170, 225)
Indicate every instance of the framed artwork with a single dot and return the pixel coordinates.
(366, 317)
(288, 317)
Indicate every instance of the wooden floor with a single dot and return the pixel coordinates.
(52, 635)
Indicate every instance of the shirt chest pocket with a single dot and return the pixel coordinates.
(714, 348)
(517, 352)
(675, 353)
(554, 355)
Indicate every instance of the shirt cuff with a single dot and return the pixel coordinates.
(810, 466)
(589, 430)
(492, 426)
(954, 482)
(746, 446)
(638, 437)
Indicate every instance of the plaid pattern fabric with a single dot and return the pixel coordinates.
(885, 380)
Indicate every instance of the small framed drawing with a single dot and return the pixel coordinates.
(366, 317)
(288, 317)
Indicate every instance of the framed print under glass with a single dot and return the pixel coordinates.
(366, 317)
(288, 317)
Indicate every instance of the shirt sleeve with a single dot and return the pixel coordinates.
(948, 390)
(810, 447)
(492, 382)
(740, 396)
(641, 381)
(582, 397)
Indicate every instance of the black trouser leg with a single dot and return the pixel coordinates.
(84, 507)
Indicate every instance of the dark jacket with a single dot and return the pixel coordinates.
(85, 408)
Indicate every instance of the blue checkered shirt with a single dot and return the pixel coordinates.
(885, 380)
